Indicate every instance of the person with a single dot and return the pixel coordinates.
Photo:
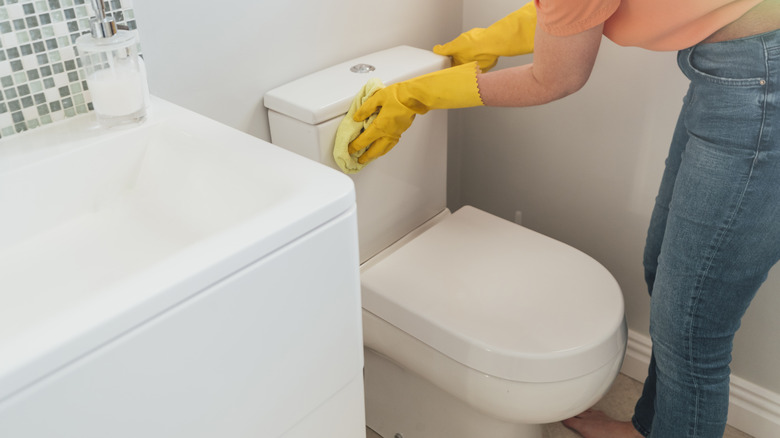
(714, 232)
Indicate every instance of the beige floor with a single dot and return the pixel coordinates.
(618, 403)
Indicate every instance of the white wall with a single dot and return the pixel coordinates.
(585, 170)
(219, 58)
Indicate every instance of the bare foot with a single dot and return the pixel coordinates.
(596, 424)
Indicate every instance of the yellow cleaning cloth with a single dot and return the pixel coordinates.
(350, 129)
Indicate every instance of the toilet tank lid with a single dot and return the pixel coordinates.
(500, 299)
(327, 93)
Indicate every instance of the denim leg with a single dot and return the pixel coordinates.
(715, 232)
(645, 407)
(655, 233)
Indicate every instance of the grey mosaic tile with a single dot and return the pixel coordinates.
(40, 77)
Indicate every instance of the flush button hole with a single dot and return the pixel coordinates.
(362, 68)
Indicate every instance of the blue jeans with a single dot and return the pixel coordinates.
(714, 233)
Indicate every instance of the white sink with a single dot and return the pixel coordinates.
(103, 231)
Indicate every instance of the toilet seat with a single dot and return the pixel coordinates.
(500, 299)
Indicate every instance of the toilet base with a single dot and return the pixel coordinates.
(400, 404)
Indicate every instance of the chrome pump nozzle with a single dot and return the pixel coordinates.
(100, 25)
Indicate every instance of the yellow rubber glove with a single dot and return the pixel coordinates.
(398, 104)
(511, 36)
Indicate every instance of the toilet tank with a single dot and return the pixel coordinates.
(399, 191)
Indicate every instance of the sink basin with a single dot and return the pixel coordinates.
(102, 230)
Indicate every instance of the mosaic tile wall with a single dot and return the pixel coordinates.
(40, 78)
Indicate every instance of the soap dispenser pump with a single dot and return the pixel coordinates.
(115, 73)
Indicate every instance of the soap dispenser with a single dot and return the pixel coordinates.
(115, 73)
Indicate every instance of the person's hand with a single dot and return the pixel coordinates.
(398, 104)
(394, 119)
(511, 36)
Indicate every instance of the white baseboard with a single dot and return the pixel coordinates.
(637, 358)
(752, 409)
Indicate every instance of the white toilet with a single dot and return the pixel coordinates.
(474, 327)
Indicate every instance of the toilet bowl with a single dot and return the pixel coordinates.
(516, 327)
(473, 326)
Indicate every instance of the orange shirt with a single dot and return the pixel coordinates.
(651, 24)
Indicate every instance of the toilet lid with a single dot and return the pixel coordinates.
(501, 299)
